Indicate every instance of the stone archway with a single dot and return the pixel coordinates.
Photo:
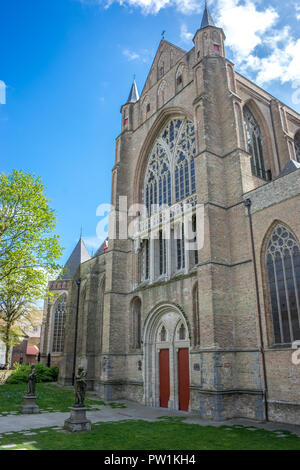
(166, 345)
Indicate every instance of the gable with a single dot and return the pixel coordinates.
(166, 56)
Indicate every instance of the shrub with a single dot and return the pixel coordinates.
(43, 373)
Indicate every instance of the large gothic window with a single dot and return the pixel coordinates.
(59, 324)
(283, 268)
(170, 173)
(255, 145)
(297, 146)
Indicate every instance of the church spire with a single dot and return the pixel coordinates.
(207, 18)
(134, 94)
(209, 39)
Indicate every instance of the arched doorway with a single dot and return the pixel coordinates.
(167, 371)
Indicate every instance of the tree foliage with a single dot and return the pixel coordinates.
(27, 222)
(28, 250)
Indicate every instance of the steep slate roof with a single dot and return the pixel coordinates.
(100, 250)
(78, 256)
(207, 18)
(134, 94)
(290, 167)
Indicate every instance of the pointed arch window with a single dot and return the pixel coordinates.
(136, 324)
(255, 145)
(283, 269)
(170, 173)
(182, 332)
(196, 323)
(59, 324)
(297, 146)
(163, 334)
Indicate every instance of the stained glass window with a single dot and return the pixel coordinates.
(136, 324)
(180, 246)
(170, 173)
(162, 254)
(297, 146)
(255, 145)
(59, 324)
(283, 268)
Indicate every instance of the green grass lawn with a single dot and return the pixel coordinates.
(48, 396)
(160, 435)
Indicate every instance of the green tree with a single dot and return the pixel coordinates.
(15, 306)
(28, 249)
(26, 225)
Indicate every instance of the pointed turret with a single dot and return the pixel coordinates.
(207, 18)
(78, 256)
(128, 108)
(134, 94)
(209, 39)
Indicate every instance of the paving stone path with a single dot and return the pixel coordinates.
(30, 425)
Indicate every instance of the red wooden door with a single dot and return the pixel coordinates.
(164, 377)
(183, 379)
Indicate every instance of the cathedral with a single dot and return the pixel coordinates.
(209, 326)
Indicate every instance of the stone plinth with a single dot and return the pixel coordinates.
(29, 406)
(78, 420)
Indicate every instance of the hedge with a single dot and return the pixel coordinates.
(43, 373)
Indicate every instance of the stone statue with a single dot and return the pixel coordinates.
(80, 387)
(31, 381)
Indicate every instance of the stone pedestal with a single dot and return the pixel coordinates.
(29, 406)
(78, 420)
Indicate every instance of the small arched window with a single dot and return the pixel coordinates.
(136, 324)
(59, 324)
(182, 332)
(196, 324)
(163, 334)
(283, 269)
(255, 145)
(297, 146)
(161, 94)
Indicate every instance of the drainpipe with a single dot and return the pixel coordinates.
(76, 330)
(247, 204)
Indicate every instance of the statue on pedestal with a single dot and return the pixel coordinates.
(78, 420)
(29, 406)
(80, 387)
(31, 381)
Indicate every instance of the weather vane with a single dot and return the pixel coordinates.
(163, 34)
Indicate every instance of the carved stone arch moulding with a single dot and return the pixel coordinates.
(159, 310)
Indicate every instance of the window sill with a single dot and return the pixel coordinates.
(280, 347)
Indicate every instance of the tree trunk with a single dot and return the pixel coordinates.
(8, 347)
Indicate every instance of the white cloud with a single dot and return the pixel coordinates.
(247, 28)
(258, 42)
(131, 55)
(153, 6)
(142, 56)
(185, 35)
(93, 243)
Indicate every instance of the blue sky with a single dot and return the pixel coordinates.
(68, 66)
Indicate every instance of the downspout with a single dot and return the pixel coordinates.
(247, 204)
(78, 282)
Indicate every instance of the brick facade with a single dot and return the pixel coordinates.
(226, 377)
